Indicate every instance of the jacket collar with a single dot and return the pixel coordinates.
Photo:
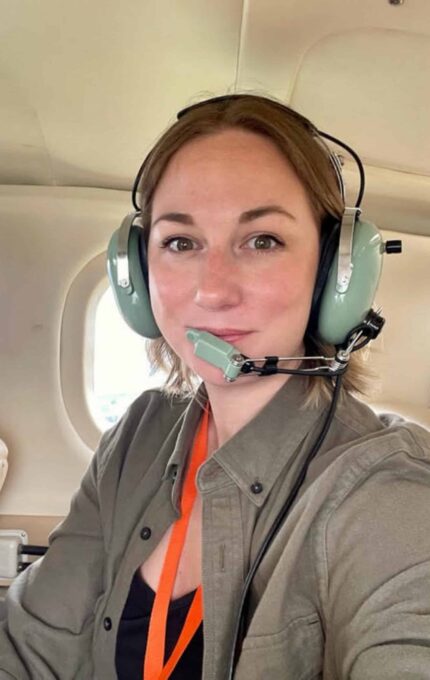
(256, 454)
(269, 442)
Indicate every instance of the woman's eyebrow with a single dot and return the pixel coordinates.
(247, 216)
(262, 211)
(179, 218)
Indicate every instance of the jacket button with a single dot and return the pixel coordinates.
(107, 623)
(145, 533)
(257, 487)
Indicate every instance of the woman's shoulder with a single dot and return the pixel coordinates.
(147, 423)
(155, 401)
(365, 449)
(372, 455)
(371, 425)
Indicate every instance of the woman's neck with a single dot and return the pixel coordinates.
(236, 404)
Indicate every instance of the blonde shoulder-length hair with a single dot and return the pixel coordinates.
(303, 149)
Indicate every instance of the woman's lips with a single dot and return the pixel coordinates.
(227, 334)
(232, 338)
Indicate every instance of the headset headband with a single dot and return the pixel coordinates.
(311, 128)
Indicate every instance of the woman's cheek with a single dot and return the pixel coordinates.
(162, 288)
(170, 302)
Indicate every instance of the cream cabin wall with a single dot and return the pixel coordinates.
(48, 237)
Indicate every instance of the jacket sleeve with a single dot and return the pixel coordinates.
(48, 630)
(378, 573)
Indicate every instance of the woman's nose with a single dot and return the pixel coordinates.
(218, 284)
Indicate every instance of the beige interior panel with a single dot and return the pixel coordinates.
(401, 353)
(49, 234)
(365, 85)
(101, 79)
(395, 201)
(97, 82)
(277, 34)
(24, 157)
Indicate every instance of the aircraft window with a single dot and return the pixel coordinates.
(120, 368)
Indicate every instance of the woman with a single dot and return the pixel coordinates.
(239, 199)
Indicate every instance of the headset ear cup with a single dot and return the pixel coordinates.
(133, 302)
(338, 312)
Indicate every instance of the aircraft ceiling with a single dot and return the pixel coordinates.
(86, 87)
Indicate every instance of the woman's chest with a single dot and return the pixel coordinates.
(189, 573)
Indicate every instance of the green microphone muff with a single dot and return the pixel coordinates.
(217, 352)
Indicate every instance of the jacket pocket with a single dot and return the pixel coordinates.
(294, 653)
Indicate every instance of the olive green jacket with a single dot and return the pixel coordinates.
(343, 593)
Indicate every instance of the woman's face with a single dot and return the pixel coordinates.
(233, 249)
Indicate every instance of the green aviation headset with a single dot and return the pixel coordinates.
(348, 274)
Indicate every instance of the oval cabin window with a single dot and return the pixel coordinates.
(120, 367)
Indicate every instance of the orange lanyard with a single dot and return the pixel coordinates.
(154, 667)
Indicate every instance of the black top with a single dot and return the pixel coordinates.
(133, 632)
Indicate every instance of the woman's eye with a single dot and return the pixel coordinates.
(178, 244)
(264, 242)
